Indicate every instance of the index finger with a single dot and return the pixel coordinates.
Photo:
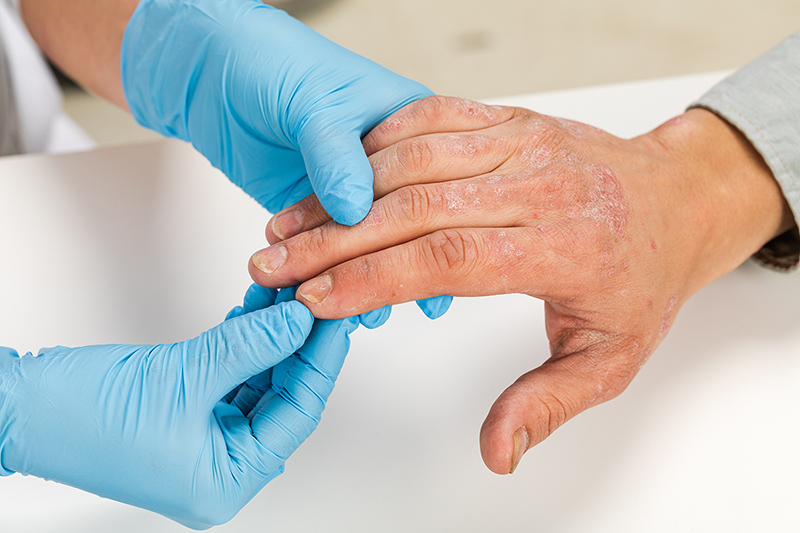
(429, 158)
(435, 114)
(413, 146)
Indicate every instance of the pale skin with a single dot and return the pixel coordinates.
(84, 38)
(614, 235)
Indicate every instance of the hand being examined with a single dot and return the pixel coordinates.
(614, 235)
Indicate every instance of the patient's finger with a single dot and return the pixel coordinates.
(306, 214)
(436, 114)
(425, 159)
(402, 216)
(458, 262)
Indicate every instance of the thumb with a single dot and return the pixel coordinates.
(282, 422)
(339, 171)
(8, 352)
(247, 345)
(542, 400)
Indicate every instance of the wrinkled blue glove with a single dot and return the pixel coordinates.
(266, 99)
(278, 108)
(145, 425)
(263, 385)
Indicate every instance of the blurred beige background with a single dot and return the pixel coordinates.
(482, 50)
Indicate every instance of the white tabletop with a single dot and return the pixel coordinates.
(149, 244)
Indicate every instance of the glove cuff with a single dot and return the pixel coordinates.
(9, 369)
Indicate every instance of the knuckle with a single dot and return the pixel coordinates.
(451, 251)
(476, 146)
(415, 157)
(615, 369)
(366, 282)
(314, 243)
(541, 148)
(556, 412)
(434, 108)
(412, 203)
(542, 141)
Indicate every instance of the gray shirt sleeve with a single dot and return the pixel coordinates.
(762, 100)
(10, 138)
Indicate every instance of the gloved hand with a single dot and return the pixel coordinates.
(145, 425)
(266, 99)
(277, 107)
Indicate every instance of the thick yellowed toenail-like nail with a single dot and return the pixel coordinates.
(270, 259)
(287, 224)
(520, 447)
(316, 290)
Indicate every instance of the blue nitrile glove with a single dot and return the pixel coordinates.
(263, 385)
(278, 108)
(266, 99)
(146, 425)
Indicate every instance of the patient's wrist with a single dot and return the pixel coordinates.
(731, 193)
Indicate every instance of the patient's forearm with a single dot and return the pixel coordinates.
(83, 37)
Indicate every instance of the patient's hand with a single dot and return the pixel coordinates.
(614, 235)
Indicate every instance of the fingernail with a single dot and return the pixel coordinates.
(270, 259)
(287, 224)
(520, 447)
(317, 289)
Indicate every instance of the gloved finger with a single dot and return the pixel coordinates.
(264, 385)
(286, 295)
(232, 394)
(339, 171)
(435, 114)
(376, 318)
(8, 352)
(281, 423)
(436, 306)
(542, 400)
(252, 390)
(236, 311)
(256, 297)
(245, 346)
(252, 466)
(247, 394)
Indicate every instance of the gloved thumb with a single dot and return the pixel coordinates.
(542, 400)
(282, 422)
(339, 171)
(247, 345)
(8, 353)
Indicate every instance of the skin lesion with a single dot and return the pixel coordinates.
(608, 204)
(670, 312)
